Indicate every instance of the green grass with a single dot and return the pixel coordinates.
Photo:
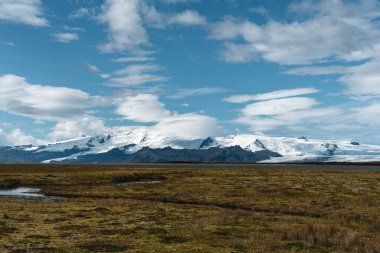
(192, 210)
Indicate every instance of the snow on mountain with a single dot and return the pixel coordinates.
(291, 149)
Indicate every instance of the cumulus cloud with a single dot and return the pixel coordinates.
(318, 32)
(147, 108)
(239, 53)
(17, 137)
(27, 12)
(125, 28)
(86, 125)
(325, 30)
(41, 102)
(65, 37)
(156, 19)
(143, 108)
(271, 95)
(128, 20)
(188, 17)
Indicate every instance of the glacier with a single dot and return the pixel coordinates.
(156, 147)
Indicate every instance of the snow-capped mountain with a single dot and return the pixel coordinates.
(141, 145)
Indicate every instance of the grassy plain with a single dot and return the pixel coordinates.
(251, 208)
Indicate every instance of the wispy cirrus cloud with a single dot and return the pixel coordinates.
(362, 81)
(270, 95)
(136, 74)
(184, 93)
(133, 59)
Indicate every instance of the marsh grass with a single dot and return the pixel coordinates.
(192, 211)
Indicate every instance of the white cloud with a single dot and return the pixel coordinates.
(316, 70)
(128, 20)
(17, 137)
(188, 17)
(327, 30)
(82, 13)
(283, 111)
(369, 114)
(86, 125)
(73, 29)
(344, 122)
(143, 108)
(239, 53)
(136, 79)
(133, 59)
(137, 69)
(65, 37)
(270, 95)
(230, 28)
(302, 115)
(309, 121)
(136, 75)
(92, 68)
(125, 29)
(184, 93)
(7, 43)
(361, 80)
(156, 19)
(188, 126)
(28, 12)
(279, 106)
(41, 102)
(316, 32)
(179, 1)
(148, 108)
(259, 10)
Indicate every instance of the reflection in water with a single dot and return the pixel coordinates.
(22, 192)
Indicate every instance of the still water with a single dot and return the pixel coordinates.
(22, 192)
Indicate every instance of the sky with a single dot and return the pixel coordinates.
(189, 68)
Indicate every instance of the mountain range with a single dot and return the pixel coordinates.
(141, 145)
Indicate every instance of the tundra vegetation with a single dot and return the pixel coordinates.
(192, 210)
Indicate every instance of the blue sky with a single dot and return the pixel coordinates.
(189, 68)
